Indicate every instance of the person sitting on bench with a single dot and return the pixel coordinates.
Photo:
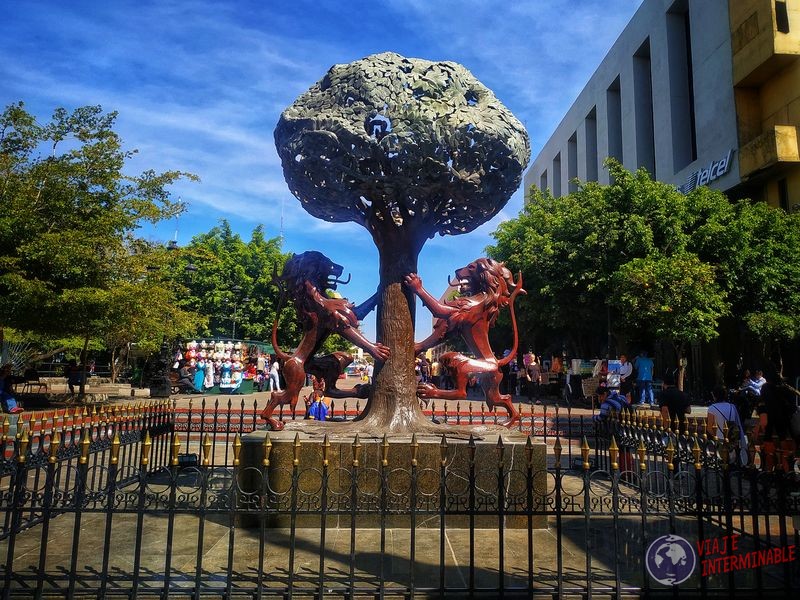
(7, 381)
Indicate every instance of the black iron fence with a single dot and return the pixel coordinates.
(141, 502)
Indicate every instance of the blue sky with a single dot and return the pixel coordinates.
(199, 86)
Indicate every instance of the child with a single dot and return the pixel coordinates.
(315, 402)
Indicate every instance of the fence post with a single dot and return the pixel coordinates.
(501, 501)
(442, 507)
(18, 495)
(80, 494)
(587, 514)
(323, 518)
(698, 471)
(55, 444)
(353, 512)
(413, 503)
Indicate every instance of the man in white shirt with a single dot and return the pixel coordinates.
(370, 371)
(625, 379)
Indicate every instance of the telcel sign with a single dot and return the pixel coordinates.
(715, 170)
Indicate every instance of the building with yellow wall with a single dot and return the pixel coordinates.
(698, 92)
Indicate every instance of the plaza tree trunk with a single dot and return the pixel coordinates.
(393, 404)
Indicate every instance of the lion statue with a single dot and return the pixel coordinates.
(307, 279)
(485, 286)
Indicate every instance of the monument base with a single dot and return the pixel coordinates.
(388, 495)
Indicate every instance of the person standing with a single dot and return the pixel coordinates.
(370, 372)
(674, 404)
(625, 376)
(534, 378)
(275, 377)
(436, 373)
(720, 411)
(644, 377)
(7, 381)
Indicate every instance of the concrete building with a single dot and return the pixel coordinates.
(698, 92)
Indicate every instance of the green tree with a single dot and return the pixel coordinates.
(767, 275)
(67, 229)
(230, 281)
(586, 258)
(672, 298)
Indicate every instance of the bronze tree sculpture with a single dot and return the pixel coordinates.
(408, 148)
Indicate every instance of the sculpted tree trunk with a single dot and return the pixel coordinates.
(393, 404)
(408, 148)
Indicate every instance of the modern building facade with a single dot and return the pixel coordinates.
(698, 92)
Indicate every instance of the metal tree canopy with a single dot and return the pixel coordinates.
(407, 142)
(408, 148)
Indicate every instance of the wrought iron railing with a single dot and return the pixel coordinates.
(115, 504)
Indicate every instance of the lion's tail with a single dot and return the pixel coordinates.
(513, 354)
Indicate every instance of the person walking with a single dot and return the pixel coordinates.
(275, 377)
(644, 377)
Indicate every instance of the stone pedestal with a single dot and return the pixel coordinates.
(485, 478)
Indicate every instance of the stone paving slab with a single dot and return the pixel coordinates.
(394, 565)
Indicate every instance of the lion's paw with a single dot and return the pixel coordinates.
(381, 352)
(426, 390)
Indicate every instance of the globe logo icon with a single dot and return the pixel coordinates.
(670, 559)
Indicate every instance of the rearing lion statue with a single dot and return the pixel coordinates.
(306, 278)
(485, 286)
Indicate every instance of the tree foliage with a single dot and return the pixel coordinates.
(663, 264)
(70, 263)
(230, 280)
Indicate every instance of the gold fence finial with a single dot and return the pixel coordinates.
(206, 450)
(613, 451)
(296, 445)
(326, 449)
(670, 452)
(24, 440)
(237, 448)
(116, 442)
(55, 444)
(385, 451)
(146, 446)
(443, 450)
(267, 446)
(176, 449)
(585, 454)
(642, 453)
(696, 452)
(356, 451)
(85, 442)
(414, 449)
